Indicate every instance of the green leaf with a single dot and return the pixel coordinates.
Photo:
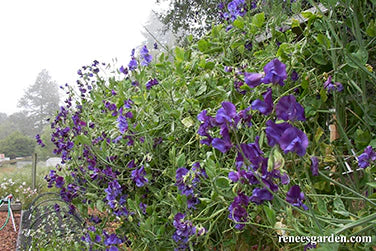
(323, 40)
(222, 182)
(258, 19)
(318, 134)
(356, 59)
(270, 214)
(340, 207)
(82, 139)
(239, 22)
(202, 63)
(373, 143)
(321, 205)
(319, 58)
(100, 205)
(372, 184)
(190, 38)
(203, 45)
(308, 14)
(295, 23)
(201, 90)
(323, 95)
(137, 100)
(371, 29)
(362, 138)
(209, 65)
(181, 160)
(179, 54)
(210, 168)
(283, 51)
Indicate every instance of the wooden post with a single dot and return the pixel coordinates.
(34, 171)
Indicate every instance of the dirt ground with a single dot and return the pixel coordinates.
(8, 237)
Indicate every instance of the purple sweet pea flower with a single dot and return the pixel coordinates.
(309, 246)
(330, 86)
(39, 140)
(294, 76)
(237, 212)
(226, 113)
(184, 229)
(111, 239)
(244, 117)
(315, 166)
(275, 72)
(288, 109)
(185, 189)
(366, 157)
(132, 64)
(252, 152)
(264, 107)
(285, 179)
(138, 176)
(146, 56)
(60, 182)
(224, 144)
(294, 140)
(296, 197)
(203, 130)
(228, 69)
(123, 70)
(289, 138)
(259, 195)
(151, 83)
(122, 124)
(274, 131)
(253, 79)
(142, 207)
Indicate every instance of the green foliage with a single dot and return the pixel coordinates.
(17, 145)
(160, 134)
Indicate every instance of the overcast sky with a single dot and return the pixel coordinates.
(62, 36)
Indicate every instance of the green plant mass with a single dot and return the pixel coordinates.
(17, 145)
(259, 132)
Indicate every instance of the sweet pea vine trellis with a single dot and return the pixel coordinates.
(206, 147)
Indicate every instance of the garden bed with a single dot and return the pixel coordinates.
(8, 236)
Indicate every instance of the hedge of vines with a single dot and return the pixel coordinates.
(232, 141)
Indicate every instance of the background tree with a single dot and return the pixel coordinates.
(156, 32)
(15, 122)
(40, 101)
(17, 145)
(190, 16)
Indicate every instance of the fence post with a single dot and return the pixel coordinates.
(34, 171)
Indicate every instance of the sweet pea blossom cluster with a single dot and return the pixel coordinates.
(188, 180)
(367, 157)
(145, 58)
(251, 164)
(109, 240)
(184, 230)
(330, 86)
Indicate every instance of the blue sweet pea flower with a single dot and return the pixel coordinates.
(138, 176)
